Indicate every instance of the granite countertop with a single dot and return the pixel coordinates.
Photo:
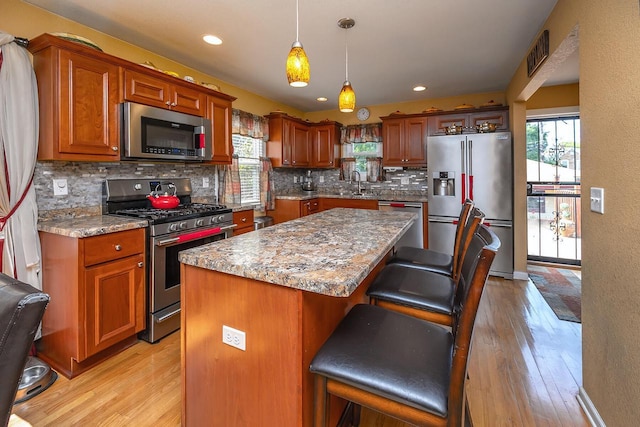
(306, 195)
(91, 225)
(330, 252)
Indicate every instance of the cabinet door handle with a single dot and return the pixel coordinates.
(244, 219)
(118, 248)
(141, 264)
(173, 104)
(114, 148)
(168, 104)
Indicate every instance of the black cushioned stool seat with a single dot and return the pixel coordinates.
(414, 287)
(408, 360)
(437, 262)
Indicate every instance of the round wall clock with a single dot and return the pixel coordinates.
(363, 114)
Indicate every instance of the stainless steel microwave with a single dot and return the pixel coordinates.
(156, 134)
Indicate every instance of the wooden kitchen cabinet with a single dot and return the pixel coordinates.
(97, 290)
(287, 210)
(325, 143)
(289, 142)
(244, 222)
(163, 93)
(470, 119)
(327, 203)
(78, 96)
(219, 112)
(404, 140)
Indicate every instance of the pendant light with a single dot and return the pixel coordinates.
(297, 61)
(347, 97)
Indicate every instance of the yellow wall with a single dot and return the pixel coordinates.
(555, 96)
(609, 94)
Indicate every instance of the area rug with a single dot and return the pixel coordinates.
(560, 288)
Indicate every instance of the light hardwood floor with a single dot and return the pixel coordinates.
(525, 370)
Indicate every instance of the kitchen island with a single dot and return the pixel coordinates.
(286, 288)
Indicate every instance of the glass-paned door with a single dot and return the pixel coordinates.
(553, 190)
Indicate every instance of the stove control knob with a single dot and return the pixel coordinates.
(173, 227)
(199, 222)
(137, 187)
(213, 220)
(221, 218)
(183, 226)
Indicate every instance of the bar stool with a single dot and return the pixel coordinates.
(423, 293)
(399, 365)
(435, 261)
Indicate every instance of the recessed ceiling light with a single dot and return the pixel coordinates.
(321, 99)
(419, 88)
(211, 39)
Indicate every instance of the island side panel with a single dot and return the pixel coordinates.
(225, 386)
(321, 315)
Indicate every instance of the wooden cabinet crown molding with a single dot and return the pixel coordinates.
(46, 40)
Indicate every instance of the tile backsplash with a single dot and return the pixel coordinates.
(84, 180)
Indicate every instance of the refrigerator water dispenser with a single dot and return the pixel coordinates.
(444, 184)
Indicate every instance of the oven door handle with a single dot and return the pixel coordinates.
(187, 237)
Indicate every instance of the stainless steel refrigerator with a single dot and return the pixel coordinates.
(478, 167)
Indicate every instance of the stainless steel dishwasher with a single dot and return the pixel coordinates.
(415, 234)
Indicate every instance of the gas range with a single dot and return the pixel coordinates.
(128, 197)
(170, 231)
(183, 218)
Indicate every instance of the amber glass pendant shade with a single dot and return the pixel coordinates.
(297, 66)
(347, 98)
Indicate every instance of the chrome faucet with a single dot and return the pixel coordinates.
(358, 174)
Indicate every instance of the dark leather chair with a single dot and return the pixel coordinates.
(435, 261)
(405, 367)
(21, 309)
(425, 294)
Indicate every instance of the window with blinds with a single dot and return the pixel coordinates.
(249, 151)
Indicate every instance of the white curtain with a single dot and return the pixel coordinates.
(18, 151)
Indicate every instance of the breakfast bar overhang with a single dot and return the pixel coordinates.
(286, 288)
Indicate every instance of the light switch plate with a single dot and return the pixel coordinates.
(60, 187)
(597, 199)
(205, 182)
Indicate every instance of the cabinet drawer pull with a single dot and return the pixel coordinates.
(141, 264)
(244, 219)
(114, 148)
(118, 247)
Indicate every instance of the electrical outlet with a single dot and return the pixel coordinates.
(404, 180)
(321, 179)
(234, 337)
(295, 179)
(205, 182)
(60, 187)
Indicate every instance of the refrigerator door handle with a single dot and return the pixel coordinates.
(470, 154)
(463, 176)
(444, 220)
(498, 224)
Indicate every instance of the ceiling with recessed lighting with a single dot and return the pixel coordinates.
(452, 47)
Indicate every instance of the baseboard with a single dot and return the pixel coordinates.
(589, 408)
(520, 275)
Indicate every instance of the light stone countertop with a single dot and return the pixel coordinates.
(88, 226)
(330, 252)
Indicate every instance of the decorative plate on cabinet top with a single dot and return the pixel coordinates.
(491, 103)
(210, 86)
(77, 39)
(432, 110)
(464, 107)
